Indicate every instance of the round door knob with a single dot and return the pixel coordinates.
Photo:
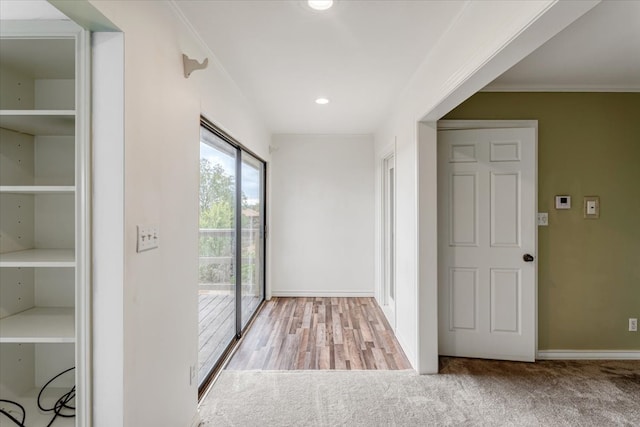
(527, 258)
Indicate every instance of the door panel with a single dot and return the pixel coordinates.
(216, 287)
(505, 205)
(252, 236)
(463, 211)
(486, 208)
(463, 299)
(505, 300)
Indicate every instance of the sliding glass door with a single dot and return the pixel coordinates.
(231, 245)
(252, 236)
(217, 290)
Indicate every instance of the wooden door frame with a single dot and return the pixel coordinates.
(505, 124)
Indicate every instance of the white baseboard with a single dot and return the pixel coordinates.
(588, 355)
(196, 421)
(410, 356)
(335, 294)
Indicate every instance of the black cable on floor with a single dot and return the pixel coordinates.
(11, 417)
(60, 405)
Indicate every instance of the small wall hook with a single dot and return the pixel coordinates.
(191, 65)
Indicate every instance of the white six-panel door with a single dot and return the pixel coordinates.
(486, 223)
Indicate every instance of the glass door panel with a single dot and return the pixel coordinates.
(217, 250)
(252, 236)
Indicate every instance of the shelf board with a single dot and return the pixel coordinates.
(39, 325)
(39, 122)
(34, 417)
(39, 258)
(37, 189)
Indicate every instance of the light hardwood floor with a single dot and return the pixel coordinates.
(320, 333)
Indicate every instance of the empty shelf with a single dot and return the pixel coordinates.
(39, 122)
(39, 258)
(37, 189)
(39, 325)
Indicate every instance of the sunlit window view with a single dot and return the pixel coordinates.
(252, 235)
(219, 265)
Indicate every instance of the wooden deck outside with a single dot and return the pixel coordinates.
(217, 327)
(217, 324)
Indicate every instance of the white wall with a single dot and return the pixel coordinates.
(161, 179)
(322, 215)
(406, 231)
(159, 303)
(486, 39)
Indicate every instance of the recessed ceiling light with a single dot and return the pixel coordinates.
(320, 4)
(322, 101)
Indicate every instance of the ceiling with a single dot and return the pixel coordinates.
(361, 54)
(358, 54)
(600, 51)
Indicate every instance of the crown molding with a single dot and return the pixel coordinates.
(559, 88)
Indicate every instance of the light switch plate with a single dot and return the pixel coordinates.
(543, 219)
(592, 207)
(148, 237)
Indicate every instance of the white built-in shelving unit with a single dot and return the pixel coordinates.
(44, 239)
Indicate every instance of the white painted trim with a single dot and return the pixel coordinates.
(108, 260)
(486, 124)
(542, 88)
(44, 28)
(427, 250)
(386, 153)
(334, 294)
(196, 421)
(588, 355)
(84, 355)
(410, 357)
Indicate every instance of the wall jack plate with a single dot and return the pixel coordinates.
(148, 237)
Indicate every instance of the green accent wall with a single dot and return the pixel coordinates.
(588, 269)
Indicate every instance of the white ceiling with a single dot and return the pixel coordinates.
(600, 51)
(358, 54)
(361, 54)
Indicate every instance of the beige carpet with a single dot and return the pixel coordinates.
(467, 392)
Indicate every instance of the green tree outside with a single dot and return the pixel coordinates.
(217, 220)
